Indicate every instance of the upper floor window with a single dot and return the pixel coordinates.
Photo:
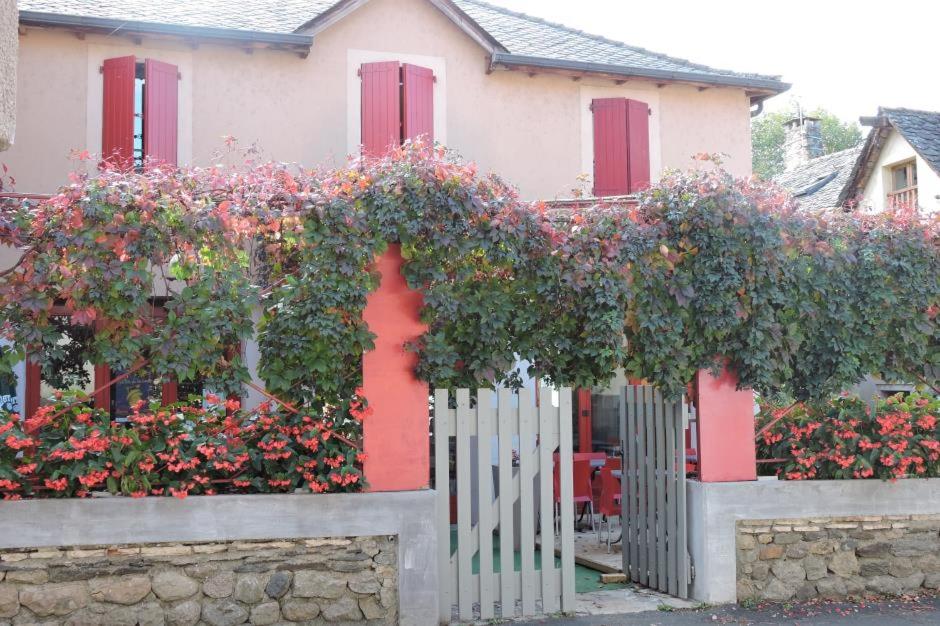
(140, 111)
(621, 146)
(397, 104)
(902, 185)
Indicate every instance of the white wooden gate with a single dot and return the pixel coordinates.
(523, 507)
(655, 537)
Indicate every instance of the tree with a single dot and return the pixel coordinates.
(768, 136)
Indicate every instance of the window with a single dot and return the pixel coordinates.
(902, 185)
(66, 369)
(8, 392)
(621, 146)
(140, 111)
(397, 104)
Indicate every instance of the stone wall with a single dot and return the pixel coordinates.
(837, 557)
(213, 583)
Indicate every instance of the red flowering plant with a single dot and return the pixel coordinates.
(71, 450)
(841, 438)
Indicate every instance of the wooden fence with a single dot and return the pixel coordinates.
(513, 497)
(655, 537)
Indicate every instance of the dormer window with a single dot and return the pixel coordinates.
(902, 185)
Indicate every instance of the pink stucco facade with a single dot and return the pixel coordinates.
(533, 130)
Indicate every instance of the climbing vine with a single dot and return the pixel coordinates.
(179, 267)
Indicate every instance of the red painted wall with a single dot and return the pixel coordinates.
(396, 433)
(726, 448)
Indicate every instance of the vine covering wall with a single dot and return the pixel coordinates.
(703, 268)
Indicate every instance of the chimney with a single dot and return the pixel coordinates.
(803, 141)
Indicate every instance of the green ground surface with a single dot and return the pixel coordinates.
(586, 579)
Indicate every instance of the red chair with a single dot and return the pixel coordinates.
(581, 483)
(610, 505)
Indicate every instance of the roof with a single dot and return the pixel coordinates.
(819, 183)
(522, 40)
(921, 129)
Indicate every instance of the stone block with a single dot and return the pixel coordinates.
(790, 572)
(55, 598)
(28, 576)
(223, 612)
(300, 609)
(317, 584)
(171, 585)
(185, 613)
(345, 609)
(777, 591)
(265, 613)
(884, 585)
(219, 585)
(815, 567)
(278, 584)
(249, 588)
(9, 601)
(174, 550)
(770, 552)
(844, 563)
(831, 588)
(119, 589)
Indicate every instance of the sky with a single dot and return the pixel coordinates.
(846, 57)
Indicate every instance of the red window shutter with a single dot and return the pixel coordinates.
(638, 145)
(417, 102)
(117, 131)
(160, 111)
(381, 107)
(610, 147)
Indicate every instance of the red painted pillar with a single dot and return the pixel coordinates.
(726, 449)
(396, 433)
(585, 425)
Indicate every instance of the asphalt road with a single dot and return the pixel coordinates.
(924, 610)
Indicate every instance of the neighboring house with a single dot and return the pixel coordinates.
(314, 81)
(897, 165)
(900, 162)
(815, 179)
(8, 55)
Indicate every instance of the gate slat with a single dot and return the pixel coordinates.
(672, 485)
(682, 537)
(465, 591)
(630, 466)
(642, 486)
(442, 487)
(565, 466)
(526, 473)
(649, 456)
(485, 505)
(508, 426)
(547, 413)
(661, 416)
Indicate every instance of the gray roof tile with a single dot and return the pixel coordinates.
(518, 33)
(818, 184)
(921, 129)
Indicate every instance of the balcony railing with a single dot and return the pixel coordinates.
(903, 198)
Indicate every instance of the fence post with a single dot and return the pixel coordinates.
(396, 434)
(726, 449)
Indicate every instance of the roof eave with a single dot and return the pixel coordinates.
(755, 85)
(284, 41)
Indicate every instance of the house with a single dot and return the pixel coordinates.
(313, 81)
(900, 161)
(303, 80)
(897, 165)
(816, 180)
